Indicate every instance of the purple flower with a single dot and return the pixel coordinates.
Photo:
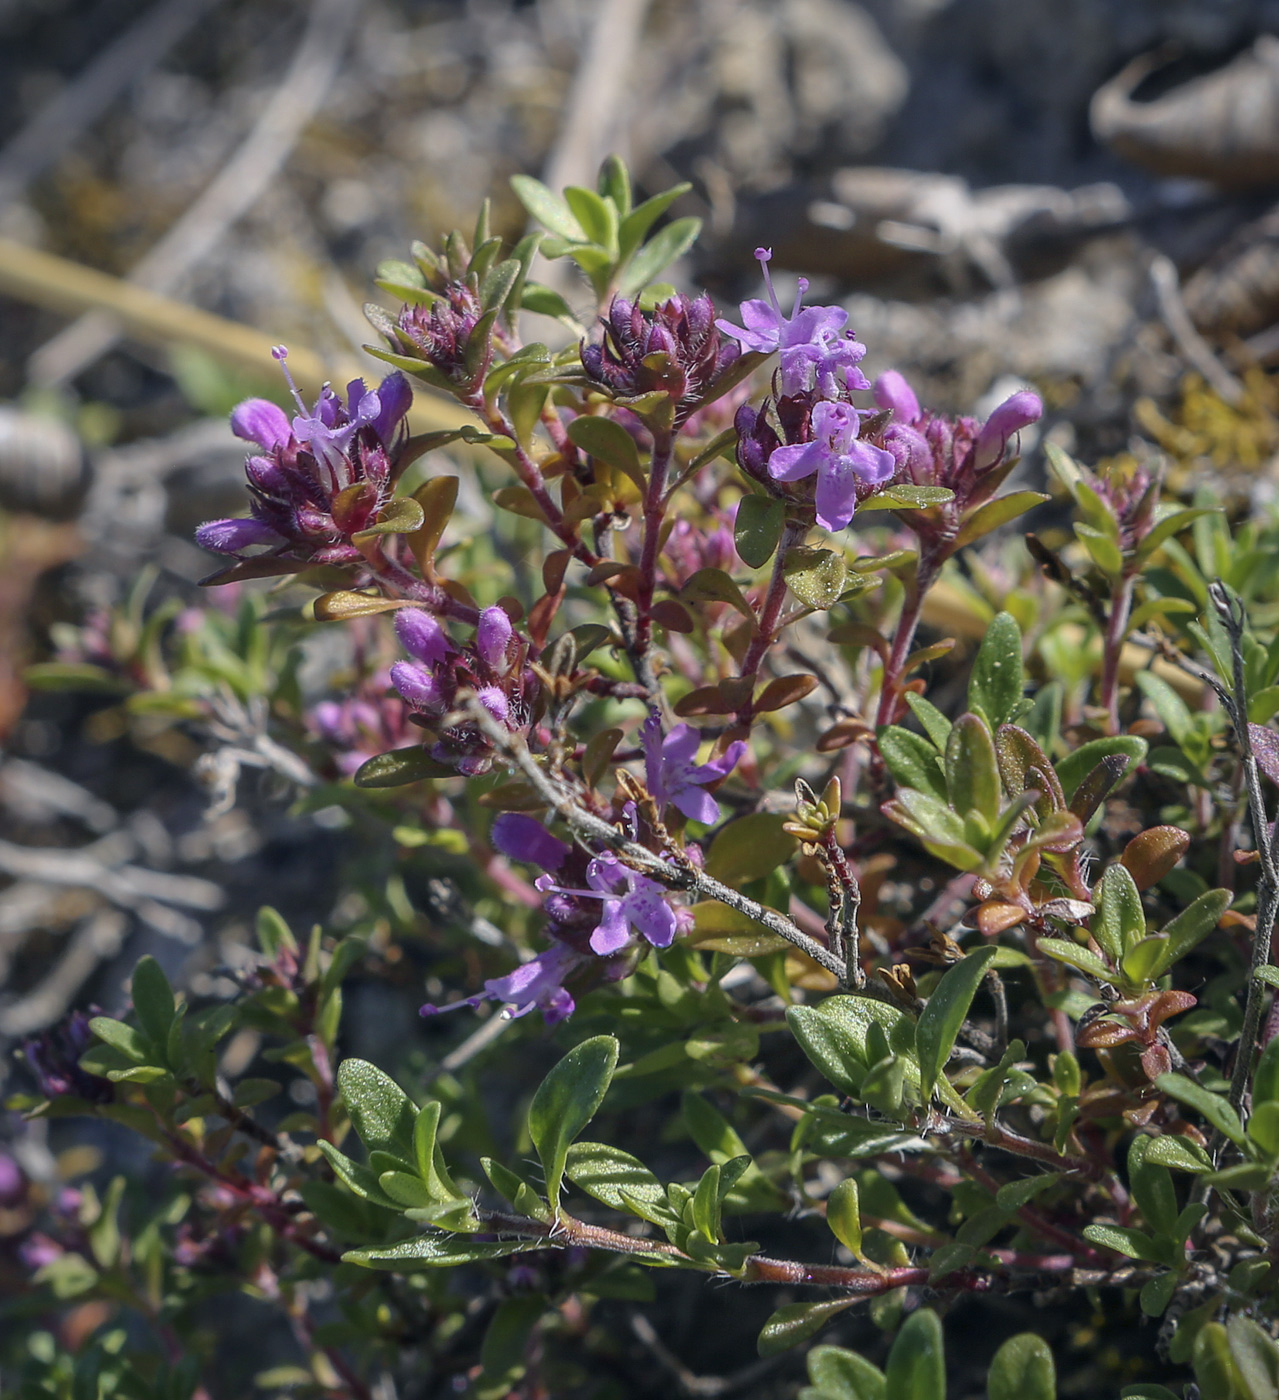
(525, 839)
(809, 339)
(300, 482)
(422, 636)
(418, 688)
(231, 536)
(493, 636)
(630, 900)
(535, 985)
(1014, 414)
(681, 331)
(893, 392)
(840, 460)
(674, 777)
(442, 333)
(260, 421)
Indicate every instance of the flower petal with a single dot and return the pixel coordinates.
(892, 391)
(230, 536)
(260, 421)
(650, 913)
(794, 463)
(613, 931)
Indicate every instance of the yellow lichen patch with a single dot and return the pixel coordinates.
(1204, 430)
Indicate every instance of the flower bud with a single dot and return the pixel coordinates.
(420, 689)
(422, 636)
(493, 636)
(1014, 414)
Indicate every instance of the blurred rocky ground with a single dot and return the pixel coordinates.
(1080, 193)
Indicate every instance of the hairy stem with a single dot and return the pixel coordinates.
(1116, 630)
(768, 626)
(654, 512)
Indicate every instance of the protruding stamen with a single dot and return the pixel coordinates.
(280, 354)
(765, 256)
(800, 288)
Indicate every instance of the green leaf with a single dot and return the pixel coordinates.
(400, 516)
(565, 1103)
(834, 1037)
(931, 720)
(1062, 950)
(1213, 1107)
(715, 586)
(1152, 1188)
(547, 208)
(1256, 1356)
(933, 822)
(1215, 1370)
(382, 1114)
(359, 1178)
(972, 771)
(1169, 706)
(795, 1323)
(1265, 1079)
(944, 1015)
(1120, 920)
(815, 576)
(436, 1251)
(1022, 1369)
(400, 766)
(758, 529)
(996, 513)
(614, 183)
(995, 687)
(1136, 1244)
(1191, 927)
(598, 217)
(912, 760)
(837, 1374)
(750, 848)
(499, 283)
(153, 1000)
(122, 1037)
(1172, 524)
(658, 253)
(843, 1215)
(905, 497)
(606, 439)
(637, 223)
(1157, 1293)
(1180, 1153)
(1080, 762)
(614, 1177)
(916, 1367)
(545, 301)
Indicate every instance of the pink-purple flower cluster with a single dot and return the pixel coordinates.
(319, 479)
(681, 331)
(492, 667)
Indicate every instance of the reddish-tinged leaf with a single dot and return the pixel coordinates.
(1152, 854)
(842, 734)
(672, 615)
(858, 634)
(336, 607)
(785, 690)
(995, 918)
(437, 498)
(705, 700)
(264, 566)
(553, 568)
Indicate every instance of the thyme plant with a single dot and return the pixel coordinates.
(946, 969)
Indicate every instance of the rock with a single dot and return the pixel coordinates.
(1222, 127)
